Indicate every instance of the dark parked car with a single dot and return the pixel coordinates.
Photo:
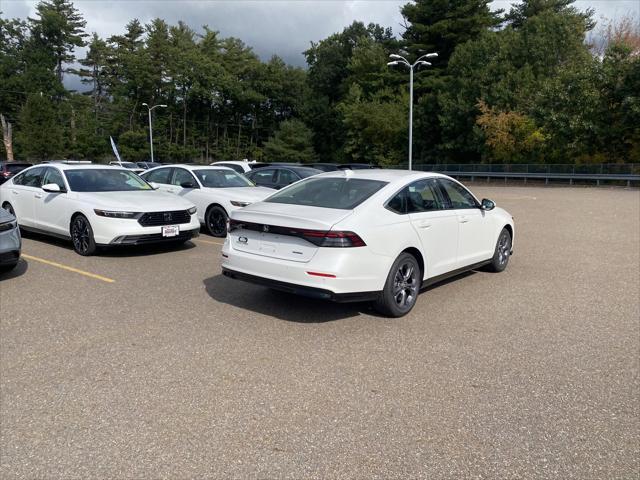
(9, 169)
(278, 176)
(325, 167)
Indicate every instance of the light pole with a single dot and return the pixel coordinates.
(400, 60)
(151, 126)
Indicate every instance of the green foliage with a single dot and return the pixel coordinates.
(518, 87)
(376, 127)
(291, 143)
(37, 116)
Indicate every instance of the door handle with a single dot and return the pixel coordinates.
(14, 192)
(38, 195)
(464, 219)
(424, 225)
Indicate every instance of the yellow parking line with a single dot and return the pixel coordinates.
(70, 269)
(209, 241)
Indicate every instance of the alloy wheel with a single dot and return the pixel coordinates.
(80, 234)
(405, 285)
(504, 248)
(217, 222)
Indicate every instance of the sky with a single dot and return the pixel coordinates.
(282, 27)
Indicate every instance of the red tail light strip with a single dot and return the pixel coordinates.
(319, 274)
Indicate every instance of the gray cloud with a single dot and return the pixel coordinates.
(282, 27)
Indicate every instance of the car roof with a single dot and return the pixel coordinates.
(193, 167)
(82, 166)
(385, 175)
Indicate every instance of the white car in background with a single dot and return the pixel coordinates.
(240, 166)
(216, 191)
(366, 235)
(96, 205)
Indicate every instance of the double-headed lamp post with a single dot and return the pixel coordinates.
(150, 125)
(400, 60)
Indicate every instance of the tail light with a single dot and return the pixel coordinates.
(332, 238)
(6, 174)
(320, 238)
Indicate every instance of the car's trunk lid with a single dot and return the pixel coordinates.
(266, 229)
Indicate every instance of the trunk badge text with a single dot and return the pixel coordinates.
(265, 228)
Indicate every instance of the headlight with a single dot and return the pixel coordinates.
(6, 226)
(239, 204)
(192, 210)
(110, 214)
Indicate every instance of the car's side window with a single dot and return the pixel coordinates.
(17, 180)
(456, 196)
(422, 196)
(285, 177)
(33, 178)
(263, 176)
(53, 175)
(398, 203)
(180, 176)
(159, 176)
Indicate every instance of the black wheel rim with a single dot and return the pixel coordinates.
(405, 285)
(217, 222)
(80, 235)
(504, 248)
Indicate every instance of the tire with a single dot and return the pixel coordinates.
(215, 221)
(82, 236)
(8, 268)
(401, 288)
(502, 252)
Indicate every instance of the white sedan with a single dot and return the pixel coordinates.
(216, 191)
(96, 205)
(366, 235)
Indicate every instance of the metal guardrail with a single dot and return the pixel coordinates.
(628, 173)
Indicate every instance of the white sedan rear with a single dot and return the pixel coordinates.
(96, 205)
(216, 191)
(364, 235)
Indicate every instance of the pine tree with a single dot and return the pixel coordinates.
(60, 26)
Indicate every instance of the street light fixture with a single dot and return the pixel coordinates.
(151, 126)
(400, 60)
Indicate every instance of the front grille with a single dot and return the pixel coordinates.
(154, 238)
(156, 219)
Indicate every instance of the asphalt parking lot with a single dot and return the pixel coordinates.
(147, 363)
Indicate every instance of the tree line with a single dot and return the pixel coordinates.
(517, 86)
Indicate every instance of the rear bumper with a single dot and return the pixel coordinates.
(183, 236)
(302, 290)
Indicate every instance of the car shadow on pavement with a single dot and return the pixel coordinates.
(115, 251)
(282, 305)
(19, 270)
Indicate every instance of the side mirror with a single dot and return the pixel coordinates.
(154, 185)
(188, 185)
(52, 188)
(487, 204)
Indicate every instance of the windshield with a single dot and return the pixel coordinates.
(332, 192)
(104, 180)
(307, 172)
(218, 178)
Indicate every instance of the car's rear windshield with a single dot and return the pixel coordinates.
(104, 180)
(221, 178)
(330, 192)
(307, 172)
(16, 167)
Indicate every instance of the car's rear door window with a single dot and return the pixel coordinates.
(329, 192)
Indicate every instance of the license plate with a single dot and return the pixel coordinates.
(170, 231)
